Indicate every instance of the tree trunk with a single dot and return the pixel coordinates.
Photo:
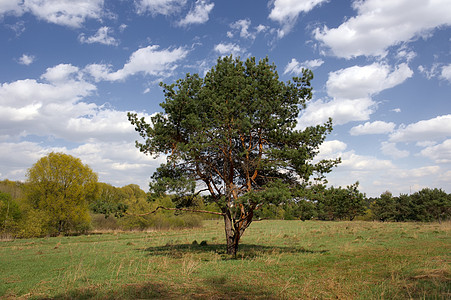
(232, 237)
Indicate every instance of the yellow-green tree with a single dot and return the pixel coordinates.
(61, 187)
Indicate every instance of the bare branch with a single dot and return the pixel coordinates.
(181, 209)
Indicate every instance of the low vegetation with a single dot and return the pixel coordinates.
(277, 260)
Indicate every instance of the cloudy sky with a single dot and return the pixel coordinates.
(70, 70)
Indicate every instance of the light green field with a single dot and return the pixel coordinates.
(276, 260)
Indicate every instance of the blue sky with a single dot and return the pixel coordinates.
(70, 70)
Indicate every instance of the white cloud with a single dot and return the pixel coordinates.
(26, 59)
(377, 175)
(425, 130)
(381, 24)
(420, 172)
(148, 60)
(286, 12)
(101, 37)
(406, 54)
(11, 7)
(390, 149)
(354, 162)
(60, 73)
(377, 127)
(25, 155)
(122, 27)
(341, 111)
(72, 13)
(441, 153)
(261, 28)
(446, 73)
(199, 14)
(30, 107)
(57, 109)
(331, 149)
(296, 67)
(396, 110)
(227, 49)
(244, 28)
(102, 124)
(437, 70)
(360, 82)
(162, 7)
(351, 90)
(429, 72)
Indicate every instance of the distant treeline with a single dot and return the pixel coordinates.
(121, 208)
(331, 204)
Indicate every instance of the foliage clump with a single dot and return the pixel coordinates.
(61, 186)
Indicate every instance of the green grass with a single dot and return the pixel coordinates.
(276, 260)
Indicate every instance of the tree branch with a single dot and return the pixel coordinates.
(182, 209)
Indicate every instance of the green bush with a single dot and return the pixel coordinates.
(34, 224)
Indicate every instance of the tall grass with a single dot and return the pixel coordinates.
(276, 260)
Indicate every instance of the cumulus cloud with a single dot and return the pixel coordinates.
(360, 82)
(198, 14)
(60, 73)
(72, 13)
(32, 107)
(434, 129)
(11, 7)
(295, 67)
(101, 37)
(227, 49)
(286, 12)
(351, 90)
(331, 149)
(390, 149)
(440, 153)
(162, 7)
(377, 127)
(381, 24)
(26, 59)
(55, 108)
(149, 60)
(341, 111)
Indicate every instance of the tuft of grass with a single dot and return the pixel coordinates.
(276, 260)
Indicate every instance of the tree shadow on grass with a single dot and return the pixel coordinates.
(211, 288)
(245, 251)
(145, 290)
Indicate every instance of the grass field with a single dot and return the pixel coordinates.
(276, 260)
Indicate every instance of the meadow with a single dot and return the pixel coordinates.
(276, 260)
